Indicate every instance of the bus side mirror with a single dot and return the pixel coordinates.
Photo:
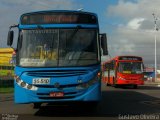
(10, 38)
(103, 42)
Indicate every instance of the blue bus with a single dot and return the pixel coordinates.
(58, 57)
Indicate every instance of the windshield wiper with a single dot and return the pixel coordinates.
(74, 32)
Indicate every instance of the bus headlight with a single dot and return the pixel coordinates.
(18, 80)
(29, 87)
(24, 84)
(119, 77)
(88, 84)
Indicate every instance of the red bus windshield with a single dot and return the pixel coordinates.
(130, 67)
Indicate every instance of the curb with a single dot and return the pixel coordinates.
(152, 83)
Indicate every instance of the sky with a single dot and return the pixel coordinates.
(129, 24)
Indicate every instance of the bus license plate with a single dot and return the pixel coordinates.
(56, 94)
(41, 81)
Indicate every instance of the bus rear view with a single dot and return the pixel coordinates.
(58, 57)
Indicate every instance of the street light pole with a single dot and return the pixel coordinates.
(155, 39)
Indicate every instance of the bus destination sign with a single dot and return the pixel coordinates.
(54, 18)
(130, 58)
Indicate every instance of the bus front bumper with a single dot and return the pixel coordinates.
(131, 82)
(42, 95)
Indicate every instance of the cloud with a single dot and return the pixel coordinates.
(10, 11)
(135, 35)
(135, 23)
(147, 25)
(129, 10)
(122, 9)
(127, 41)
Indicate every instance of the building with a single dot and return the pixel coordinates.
(150, 74)
(6, 56)
(6, 64)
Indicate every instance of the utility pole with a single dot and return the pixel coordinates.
(155, 39)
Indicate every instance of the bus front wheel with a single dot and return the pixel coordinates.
(36, 105)
(135, 86)
(114, 83)
(107, 84)
(92, 106)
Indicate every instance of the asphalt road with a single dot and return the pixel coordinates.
(116, 103)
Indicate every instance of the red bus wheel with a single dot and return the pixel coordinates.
(135, 86)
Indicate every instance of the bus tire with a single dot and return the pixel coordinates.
(93, 106)
(107, 84)
(90, 106)
(36, 105)
(135, 86)
(115, 85)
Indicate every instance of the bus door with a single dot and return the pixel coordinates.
(112, 72)
(116, 70)
(107, 72)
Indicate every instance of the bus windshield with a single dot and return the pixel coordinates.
(57, 47)
(131, 67)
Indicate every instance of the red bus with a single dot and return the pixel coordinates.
(123, 70)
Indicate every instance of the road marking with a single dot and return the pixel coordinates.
(152, 103)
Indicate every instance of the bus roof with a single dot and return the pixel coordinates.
(57, 11)
(118, 58)
(58, 18)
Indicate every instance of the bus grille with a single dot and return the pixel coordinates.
(52, 86)
(56, 73)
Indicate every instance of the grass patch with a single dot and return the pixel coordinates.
(6, 90)
(6, 72)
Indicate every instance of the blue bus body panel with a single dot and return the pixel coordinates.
(68, 78)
